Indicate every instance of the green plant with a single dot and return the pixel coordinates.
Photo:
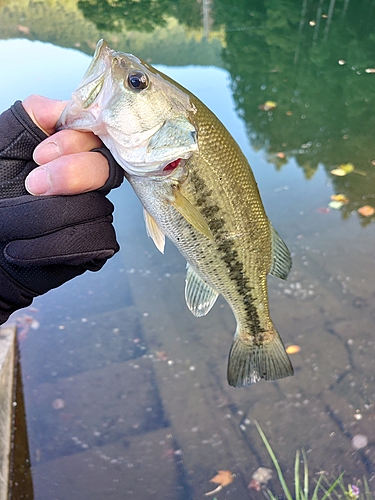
(323, 489)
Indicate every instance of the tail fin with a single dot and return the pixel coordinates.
(247, 364)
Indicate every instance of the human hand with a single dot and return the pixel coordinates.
(66, 163)
(48, 240)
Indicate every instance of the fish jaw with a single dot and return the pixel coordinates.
(145, 129)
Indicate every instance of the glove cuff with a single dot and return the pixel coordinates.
(12, 296)
(116, 173)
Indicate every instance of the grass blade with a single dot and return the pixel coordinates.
(305, 475)
(297, 488)
(284, 486)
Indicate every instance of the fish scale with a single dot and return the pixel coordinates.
(197, 189)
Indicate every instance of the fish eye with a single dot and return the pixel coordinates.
(137, 81)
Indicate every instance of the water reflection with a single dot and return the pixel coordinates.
(313, 64)
(314, 60)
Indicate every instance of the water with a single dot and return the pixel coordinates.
(125, 391)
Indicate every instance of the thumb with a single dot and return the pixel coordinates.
(44, 112)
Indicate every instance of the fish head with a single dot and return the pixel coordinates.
(142, 116)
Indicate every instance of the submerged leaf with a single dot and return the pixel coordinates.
(293, 349)
(224, 477)
(366, 210)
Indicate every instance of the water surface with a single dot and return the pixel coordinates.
(125, 391)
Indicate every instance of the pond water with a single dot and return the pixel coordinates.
(125, 391)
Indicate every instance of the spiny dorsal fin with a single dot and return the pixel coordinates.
(154, 231)
(281, 259)
(190, 213)
(199, 296)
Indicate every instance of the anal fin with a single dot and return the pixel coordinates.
(200, 297)
(281, 259)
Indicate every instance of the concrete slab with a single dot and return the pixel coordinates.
(7, 360)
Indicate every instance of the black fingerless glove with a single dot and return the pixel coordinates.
(45, 240)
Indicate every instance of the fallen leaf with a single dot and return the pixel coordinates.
(268, 106)
(366, 210)
(336, 205)
(281, 155)
(340, 197)
(338, 172)
(222, 478)
(260, 478)
(343, 169)
(254, 485)
(293, 349)
(289, 113)
(347, 167)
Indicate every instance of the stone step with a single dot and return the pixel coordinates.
(143, 467)
(7, 374)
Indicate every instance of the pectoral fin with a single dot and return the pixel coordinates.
(281, 259)
(154, 231)
(200, 297)
(190, 213)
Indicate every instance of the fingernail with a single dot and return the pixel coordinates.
(46, 151)
(38, 181)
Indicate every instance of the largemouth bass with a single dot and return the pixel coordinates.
(198, 189)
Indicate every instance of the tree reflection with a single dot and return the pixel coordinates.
(311, 59)
(141, 15)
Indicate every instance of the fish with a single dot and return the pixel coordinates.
(198, 190)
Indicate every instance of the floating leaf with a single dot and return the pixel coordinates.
(268, 106)
(335, 205)
(340, 197)
(347, 167)
(339, 172)
(366, 210)
(222, 478)
(343, 169)
(293, 349)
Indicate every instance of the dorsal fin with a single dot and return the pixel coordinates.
(200, 297)
(281, 259)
